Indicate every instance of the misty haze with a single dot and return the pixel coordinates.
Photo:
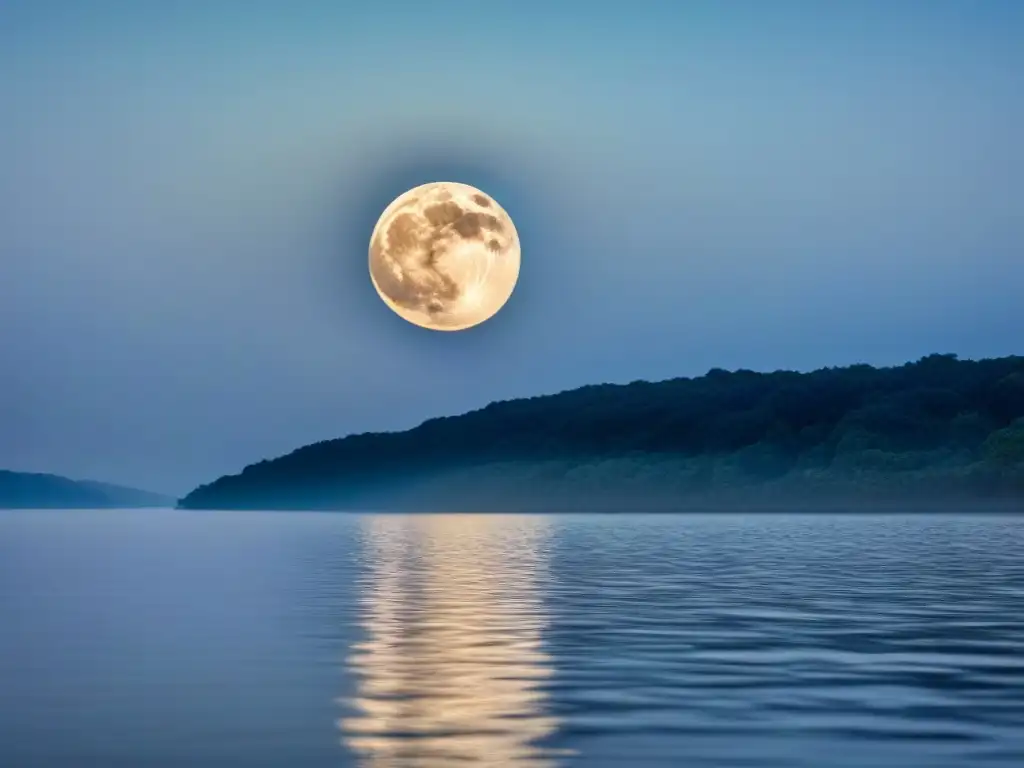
(683, 425)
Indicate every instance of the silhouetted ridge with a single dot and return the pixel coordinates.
(26, 490)
(940, 425)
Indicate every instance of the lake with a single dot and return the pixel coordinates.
(160, 638)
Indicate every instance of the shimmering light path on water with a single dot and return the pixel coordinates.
(165, 638)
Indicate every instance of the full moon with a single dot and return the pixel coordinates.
(444, 256)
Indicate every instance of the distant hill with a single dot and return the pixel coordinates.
(939, 429)
(23, 490)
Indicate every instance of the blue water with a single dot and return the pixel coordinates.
(166, 638)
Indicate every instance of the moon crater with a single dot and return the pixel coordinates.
(444, 256)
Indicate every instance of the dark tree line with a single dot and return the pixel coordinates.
(960, 420)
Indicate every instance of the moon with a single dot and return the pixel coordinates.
(444, 256)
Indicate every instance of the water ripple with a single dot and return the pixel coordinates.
(744, 641)
(729, 640)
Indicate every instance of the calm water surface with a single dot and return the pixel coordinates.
(166, 638)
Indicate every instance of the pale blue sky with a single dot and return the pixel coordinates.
(186, 196)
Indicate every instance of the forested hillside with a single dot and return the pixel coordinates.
(939, 427)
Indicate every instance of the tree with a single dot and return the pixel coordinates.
(1006, 446)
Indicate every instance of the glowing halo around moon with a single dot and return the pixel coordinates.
(444, 256)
